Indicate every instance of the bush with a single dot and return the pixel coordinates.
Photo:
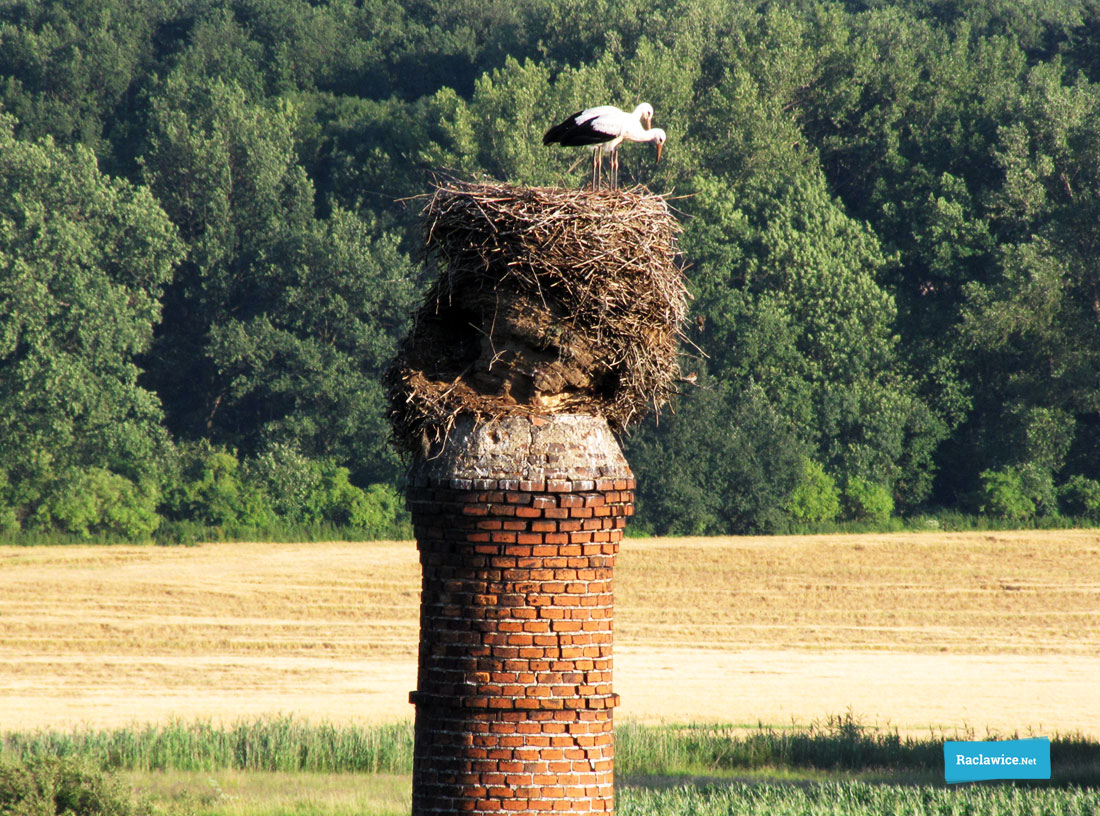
(815, 498)
(211, 491)
(380, 513)
(9, 522)
(1003, 495)
(96, 502)
(867, 501)
(291, 482)
(45, 785)
(1080, 496)
(319, 492)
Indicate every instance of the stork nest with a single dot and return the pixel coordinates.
(548, 301)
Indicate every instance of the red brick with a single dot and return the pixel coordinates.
(528, 595)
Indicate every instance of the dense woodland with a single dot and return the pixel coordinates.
(209, 249)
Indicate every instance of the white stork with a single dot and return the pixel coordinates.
(604, 128)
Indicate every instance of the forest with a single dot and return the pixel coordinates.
(210, 249)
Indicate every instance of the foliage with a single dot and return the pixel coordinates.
(83, 262)
(209, 490)
(278, 325)
(381, 514)
(95, 502)
(867, 501)
(9, 523)
(1004, 495)
(1080, 496)
(792, 301)
(891, 216)
(307, 491)
(733, 477)
(43, 785)
(815, 498)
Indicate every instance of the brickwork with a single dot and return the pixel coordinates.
(514, 699)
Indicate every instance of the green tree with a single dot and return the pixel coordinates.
(68, 69)
(867, 501)
(724, 461)
(1079, 496)
(1004, 495)
(1032, 326)
(83, 262)
(209, 489)
(815, 498)
(96, 502)
(278, 325)
(788, 292)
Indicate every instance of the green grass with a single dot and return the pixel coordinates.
(838, 748)
(840, 745)
(283, 767)
(855, 799)
(271, 793)
(271, 744)
(235, 793)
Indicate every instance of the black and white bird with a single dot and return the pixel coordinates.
(603, 129)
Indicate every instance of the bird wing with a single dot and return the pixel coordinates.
(605, 120)
(588, 127)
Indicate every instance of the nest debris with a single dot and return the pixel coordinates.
(547, 301)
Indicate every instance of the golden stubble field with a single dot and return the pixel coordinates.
(983, 633)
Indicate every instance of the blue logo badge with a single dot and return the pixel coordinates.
(1007, 759)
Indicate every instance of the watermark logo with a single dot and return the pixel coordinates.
(1008, 759)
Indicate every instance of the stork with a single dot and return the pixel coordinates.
(604, 128)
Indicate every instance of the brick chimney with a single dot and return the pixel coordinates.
(518, 522)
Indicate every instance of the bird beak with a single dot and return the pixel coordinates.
(648, 121)
(659, 146)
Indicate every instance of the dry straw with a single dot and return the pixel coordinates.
(547, 301)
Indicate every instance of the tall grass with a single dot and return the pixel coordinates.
(287, 745)
(840, 743)
(272, 744)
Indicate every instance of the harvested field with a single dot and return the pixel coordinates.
(987, 631)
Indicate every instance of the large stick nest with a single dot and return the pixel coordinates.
(548, 301)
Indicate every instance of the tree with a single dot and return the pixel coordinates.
(83, 262)
(724, 461)
(787, 284)
(1032, 327)
(67, 69)
(278, 325)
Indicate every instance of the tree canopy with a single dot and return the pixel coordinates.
(208, 237)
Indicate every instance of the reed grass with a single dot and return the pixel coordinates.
(269, 744)
(838, 744)
(283, 744)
